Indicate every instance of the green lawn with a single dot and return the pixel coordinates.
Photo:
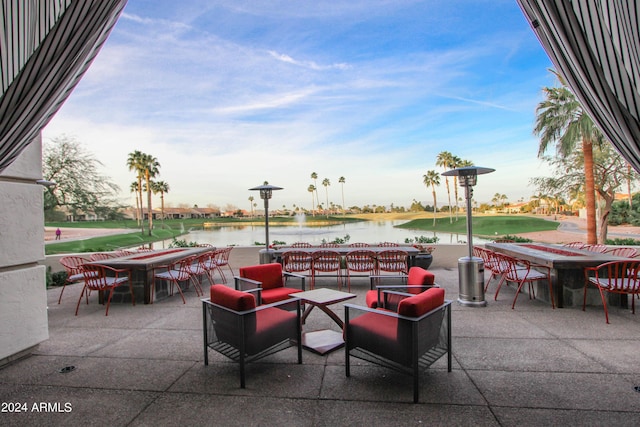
(486, 226)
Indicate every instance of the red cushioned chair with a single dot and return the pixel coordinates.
(234, 327)
(416, 336)
(418, 280)
(269, 280)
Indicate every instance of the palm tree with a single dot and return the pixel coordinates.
(326, 184)
(314, 177)
(341, 180)
(134, 162)
(456, 162)
(311, 189)
(561, 120)
(431, 179)
(162, 188)
(251, 205)
(445, 159)
(135, 189)
(149, 168)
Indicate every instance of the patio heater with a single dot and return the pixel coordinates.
(266, 191)
(470, 268)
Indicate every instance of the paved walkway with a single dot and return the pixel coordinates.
(143, 365)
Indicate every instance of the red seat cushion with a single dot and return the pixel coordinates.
(232, 299)
(270, 275)
(277, 294)
(422, 303)
(371, 298)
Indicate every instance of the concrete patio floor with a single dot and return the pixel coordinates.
(143, 365)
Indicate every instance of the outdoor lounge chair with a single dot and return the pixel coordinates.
(269, 280)
(234, 327)
(414, 337)
(418, 280)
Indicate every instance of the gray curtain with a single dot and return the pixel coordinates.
(595, 45)
(45, 48)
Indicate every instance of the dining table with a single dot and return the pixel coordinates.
(567, 267)
(142, 266)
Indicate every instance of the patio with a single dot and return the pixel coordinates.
(143, 365)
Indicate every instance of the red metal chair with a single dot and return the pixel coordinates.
(101, 256)
(596, 248)
(197, 269)
(360, 261)
(521, 271)
(221, 257)
(329, 245)
(236, 328)
(392, 261)
(298, 262)
(327, 261)
(269, 280)
(174, 273)
(623, 252)
(301, 245)
(73, 267)
(388, 245)
(359, 245)
(208, 261)
(414, 337)
(618, 277)
(103, 278)
(575, 245)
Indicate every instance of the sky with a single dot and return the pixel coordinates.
(227, 94)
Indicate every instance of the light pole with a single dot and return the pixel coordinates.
(470, 268)
(265, 194)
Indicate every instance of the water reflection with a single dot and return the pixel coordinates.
(364, 231)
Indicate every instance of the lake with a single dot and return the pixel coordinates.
(363, 231)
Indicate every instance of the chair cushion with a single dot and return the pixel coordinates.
(277, 294)
(232, 299)
(420, 276)
(422, 303)
(371, 298)
(270, 275)
(379, 334)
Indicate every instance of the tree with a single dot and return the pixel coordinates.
(162, 188)
(134, 162)
(146, 167)
(326, 184)
(456, 162)
(314, 176)
(561, 120)
(135, 189)
(445, 159)
(311, 189)
(432, 179)
(79, 185)
(341, 180)
(251, 205)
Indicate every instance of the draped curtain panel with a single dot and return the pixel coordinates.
(45, 48)
(595, 45)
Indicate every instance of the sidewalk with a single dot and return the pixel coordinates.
(143, 365)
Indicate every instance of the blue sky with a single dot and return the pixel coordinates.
(227, 94)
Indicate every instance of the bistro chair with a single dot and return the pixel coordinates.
(221, 257)
(359, 245)
(329, 245)
(235, 327)
(104, 278)
(269, 281)
(208, 261)
(617, 277)
(521, 271)
(418, 280)
(392, 261)
(298, 262)
(600, 248)
(575, 245)
(406, 340)
(388, 245)
(101, 256)
(623, 252)
(174, 273)
(301, 245)
(73, 266)
(360, 261)
(327, 261)
(196, 270)
(123, 252)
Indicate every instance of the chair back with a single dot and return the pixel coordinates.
(327, 261)
(296, 261)
(388, 245)
(226, 323)
(301, 245)
(393, 261)
(596, 248)
(329, 245)
(100, 256)
(72, 264)
(623, 252)
(418, 276)
(361, 261)
(575, 245)
(359, 245)
(269, 274)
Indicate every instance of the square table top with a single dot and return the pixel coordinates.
(323, 296)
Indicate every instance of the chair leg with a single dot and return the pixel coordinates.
(61, 292)
(179, 290)
(80, 299)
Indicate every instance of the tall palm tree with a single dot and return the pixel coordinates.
(251, 205)
(135, 189)
(314, 177)
(147, 167)
(326, 184)
(432, 179)
(134, 162)
(341, 180)
(456, 162)
(561, 120)
(162, 188)
(311, 189)
(445, 160)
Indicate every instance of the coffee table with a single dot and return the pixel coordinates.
(326, 340)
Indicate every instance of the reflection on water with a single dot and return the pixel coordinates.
(364, 231)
